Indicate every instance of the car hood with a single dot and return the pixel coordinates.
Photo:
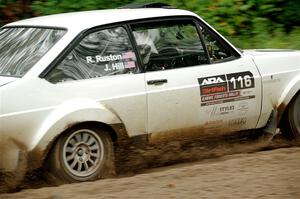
(275, 61)
(5, 80)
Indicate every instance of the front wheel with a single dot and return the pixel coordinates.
(293, 118)
(83, 154)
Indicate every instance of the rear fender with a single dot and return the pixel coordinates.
(64, 117)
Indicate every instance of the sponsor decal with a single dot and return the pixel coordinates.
(237, 122)
(242, 108)
(247, 92)
(225, 109)
(210, 85)
(220, 96)
(228, 100)
(222, 110)
(213, 124)
(225, 88)
(242, 80)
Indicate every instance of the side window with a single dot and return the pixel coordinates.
(101, 53)
(169, 45)
(217, 51)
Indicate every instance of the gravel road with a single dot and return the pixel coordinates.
(256, 171)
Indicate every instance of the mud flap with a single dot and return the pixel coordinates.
(271, 128)
(13, 165)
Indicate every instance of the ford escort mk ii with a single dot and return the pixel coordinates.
(72, 85)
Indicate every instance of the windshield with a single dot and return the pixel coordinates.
(22, 48)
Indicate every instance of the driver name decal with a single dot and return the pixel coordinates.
(113, 63)
(110, 58)
(99, 58)
(225, 88)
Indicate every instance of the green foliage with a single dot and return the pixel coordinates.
(54, 6)
(12, 10)
(278, 39)
(249, 23)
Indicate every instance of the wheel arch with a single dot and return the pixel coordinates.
(37, 157)
(289, 93)
(66, 118)
(282, 122)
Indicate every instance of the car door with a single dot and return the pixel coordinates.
(193, 87)
(230, 87)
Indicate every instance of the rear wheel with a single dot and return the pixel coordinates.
(293, 118)
(83, 154)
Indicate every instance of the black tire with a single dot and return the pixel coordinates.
(293, 118)
(84, 153)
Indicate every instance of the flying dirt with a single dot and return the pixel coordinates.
(210, 167)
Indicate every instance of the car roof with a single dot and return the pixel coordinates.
(88, 19)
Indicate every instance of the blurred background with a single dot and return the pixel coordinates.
(246, 23)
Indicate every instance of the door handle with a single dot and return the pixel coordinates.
(157, 82)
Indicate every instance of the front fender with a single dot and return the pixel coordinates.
(287, 95)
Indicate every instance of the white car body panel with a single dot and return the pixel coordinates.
(6, 80)
(46, 116)
(104, 17)
(33, 111)
(280, 71)
(180, 97)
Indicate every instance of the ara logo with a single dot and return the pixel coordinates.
(212, 80)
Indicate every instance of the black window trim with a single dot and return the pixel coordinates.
(34, 26)
(134, 44)
(173, 19)
(198, 24)
(203, 42)
(225, 44)
(127, 25)
(74, 43)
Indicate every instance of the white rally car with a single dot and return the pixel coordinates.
(72, 85)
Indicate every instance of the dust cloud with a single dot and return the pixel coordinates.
(134, 160)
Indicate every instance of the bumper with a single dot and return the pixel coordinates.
(13, 155)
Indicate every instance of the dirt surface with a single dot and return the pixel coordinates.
(248, 168)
